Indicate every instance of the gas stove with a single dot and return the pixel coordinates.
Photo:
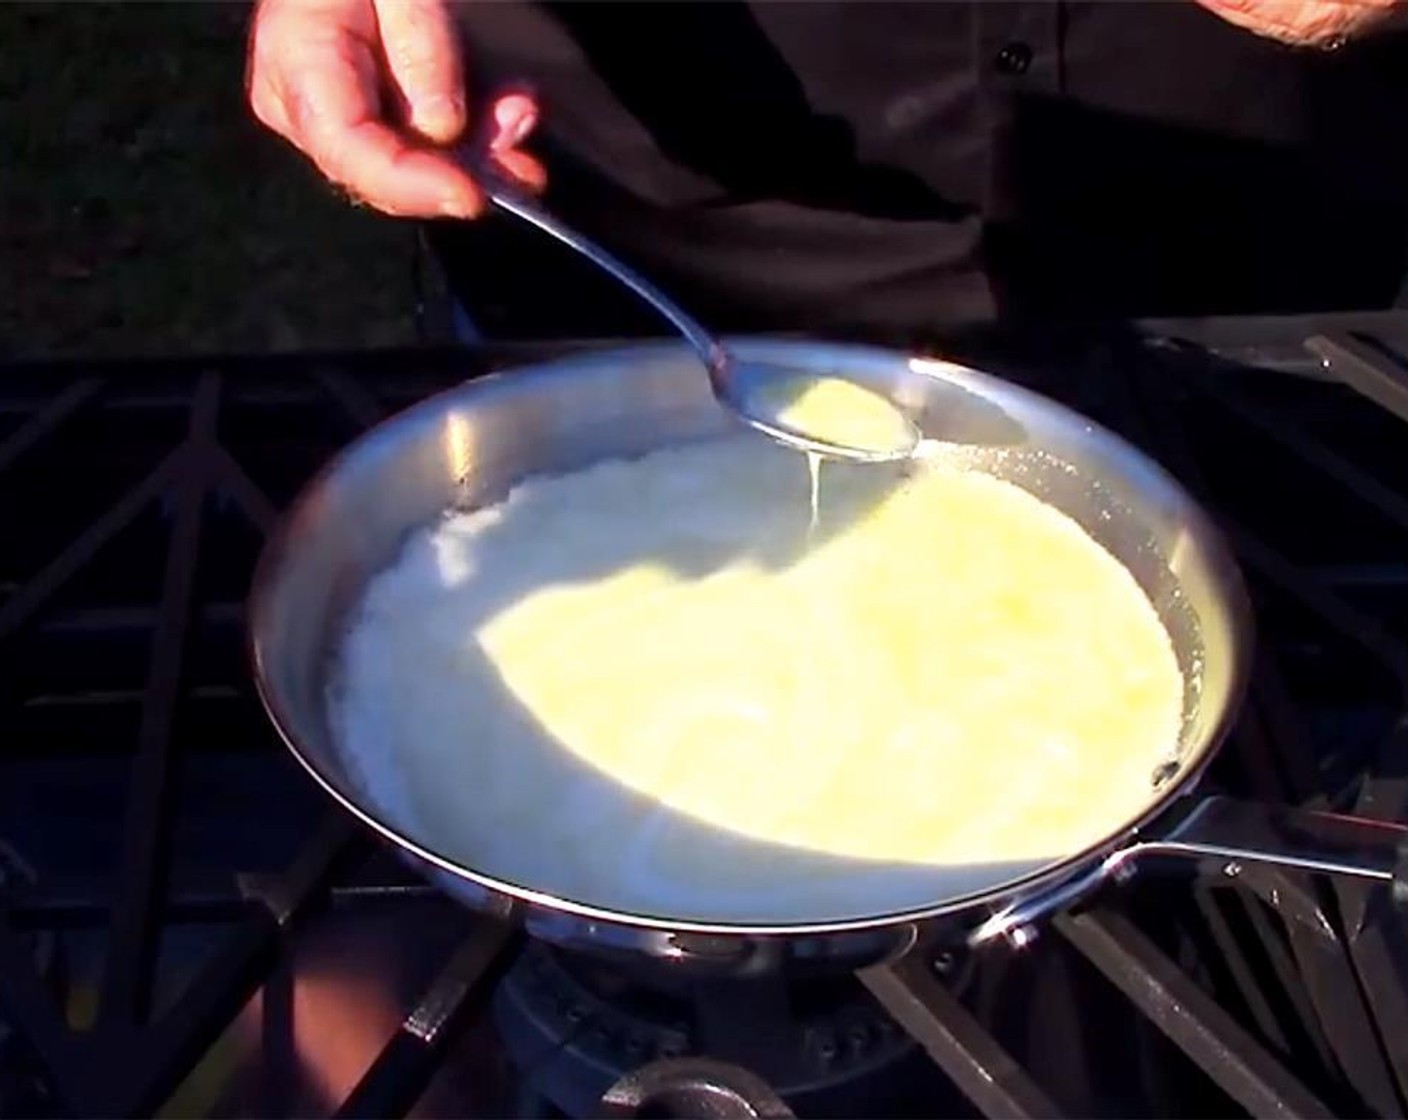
(188, 927)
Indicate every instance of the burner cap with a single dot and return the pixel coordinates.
(697, 1087)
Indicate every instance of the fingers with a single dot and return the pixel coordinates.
(523, 167)
(335, 116)
(511, 120)
(425, 64)
(1307, 23)
(317, 71)
(314, 78)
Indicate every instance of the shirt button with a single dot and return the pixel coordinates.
(1014, 58)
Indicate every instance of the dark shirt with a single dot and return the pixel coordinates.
(877, 169)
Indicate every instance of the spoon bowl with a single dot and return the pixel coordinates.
(828, 416)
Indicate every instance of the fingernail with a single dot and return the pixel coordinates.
(515, 117)
(439, 116)
(457, 206)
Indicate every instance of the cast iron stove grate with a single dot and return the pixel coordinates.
(172, 891)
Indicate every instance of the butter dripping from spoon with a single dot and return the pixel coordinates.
(814, 474)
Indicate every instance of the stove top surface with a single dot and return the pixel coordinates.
(188, 925)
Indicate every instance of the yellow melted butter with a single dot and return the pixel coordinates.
(834, 411)
(958, 673)
(814, 489)
(667, 686)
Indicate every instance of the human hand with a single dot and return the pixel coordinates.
(372, 91)
(1307, 23)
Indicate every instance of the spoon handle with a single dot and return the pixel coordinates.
(517, 202)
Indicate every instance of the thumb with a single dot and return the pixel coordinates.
(424, 60)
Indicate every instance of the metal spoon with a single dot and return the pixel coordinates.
(773, 400)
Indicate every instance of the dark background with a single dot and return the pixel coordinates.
(143, 211)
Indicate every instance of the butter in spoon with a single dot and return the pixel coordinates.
(826, 416)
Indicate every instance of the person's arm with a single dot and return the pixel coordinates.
(371, 91)
(1309, 23)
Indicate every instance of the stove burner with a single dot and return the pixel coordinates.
(692, 1087)
(192, 912)
(583, 1030)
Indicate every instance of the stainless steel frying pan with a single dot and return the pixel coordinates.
(470, 444)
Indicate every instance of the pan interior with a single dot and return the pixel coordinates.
(444, 453)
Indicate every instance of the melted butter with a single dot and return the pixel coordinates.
(840, 413)
(814, 479)
(634, 686)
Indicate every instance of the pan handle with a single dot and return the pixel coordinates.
(1221, 834)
